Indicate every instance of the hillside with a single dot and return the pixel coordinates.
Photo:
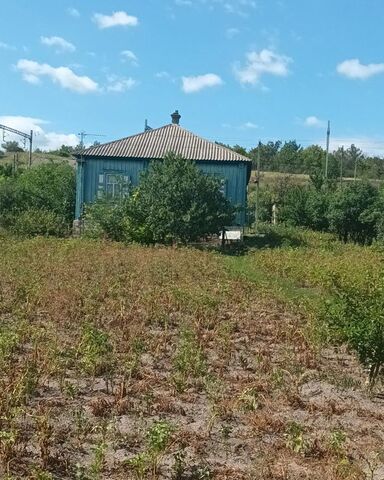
(174, 363)
(37, 158)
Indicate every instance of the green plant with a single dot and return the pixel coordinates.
(140, 464)
(336, 442)
(190, 206)
(295, 440)
(158, 436)
(8, 445)
(179, 465)
(248, 400)
(189, 361)
(97, 465)
(39, 201)
(96, 351)
(355, 315)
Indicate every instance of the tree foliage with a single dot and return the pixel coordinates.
(12, 146)
(174, 202)
(38, 201)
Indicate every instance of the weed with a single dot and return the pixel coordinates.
(249, 400)
(82, 424)
(39, 474)
(295, 440)
(179, 465)
(140, 464)
(336, 442)
(158, 436)
(44, 431)
(189, 361)
(8, 445)
(70, 389)
(96, 351)
(97, 465)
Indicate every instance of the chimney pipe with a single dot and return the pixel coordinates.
(176, 117)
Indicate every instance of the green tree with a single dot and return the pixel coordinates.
(175, 201)
(12, 146)
(351, 212)
(65, 151)
(289, 157)
(268, 155)
(41, 195)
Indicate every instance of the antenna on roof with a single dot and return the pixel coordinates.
(83, 134)
(146, 126)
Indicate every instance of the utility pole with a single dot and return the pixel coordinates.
(27, 136)
(341, 165)
(83, 134)
(257, 188)
(327, 150)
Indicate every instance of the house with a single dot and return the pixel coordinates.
(103, 168)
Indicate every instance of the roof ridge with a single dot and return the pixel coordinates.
(125, 138)
(195, 141)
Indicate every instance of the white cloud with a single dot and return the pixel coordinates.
(73, 12)
(187, 3)
(128, 55)
(369, 145)
(238, 7)
(45, 140)
(265, 62)
(120, 85)
(355, 69)
(5, 46)
(195, 84)
(243, 126)
(232, 32)
(60, 43)
(32, 72)
(249, 125)
(162, 74)
(313, 121)
(116, 19)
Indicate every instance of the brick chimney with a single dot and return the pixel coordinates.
(176, 117)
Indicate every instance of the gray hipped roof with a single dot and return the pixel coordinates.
(154, 144)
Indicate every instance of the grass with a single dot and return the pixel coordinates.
(37, 158)
(133, 362)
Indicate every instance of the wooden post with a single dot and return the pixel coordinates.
(257, 188)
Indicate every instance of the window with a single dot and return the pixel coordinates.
(113, 184)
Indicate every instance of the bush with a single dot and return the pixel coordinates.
(107, 218)
(351, 212)
(35, 221)
(38, 201)
(356, 317)
(174, 202)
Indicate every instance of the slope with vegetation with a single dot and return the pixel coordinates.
(129, 362)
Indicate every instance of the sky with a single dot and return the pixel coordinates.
(238, 71)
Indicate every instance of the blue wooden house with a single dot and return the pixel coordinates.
(103, 168)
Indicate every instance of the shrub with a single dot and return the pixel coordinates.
(350, 212)
(356, 316)
(38, 201)
(174, 202)
(107, 218)
(39, 221)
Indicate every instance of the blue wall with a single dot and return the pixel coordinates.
(91, 173)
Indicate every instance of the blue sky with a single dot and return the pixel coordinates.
(239, 71)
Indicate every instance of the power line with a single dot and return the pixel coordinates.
(26, 136)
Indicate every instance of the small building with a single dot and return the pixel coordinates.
(102, 168)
